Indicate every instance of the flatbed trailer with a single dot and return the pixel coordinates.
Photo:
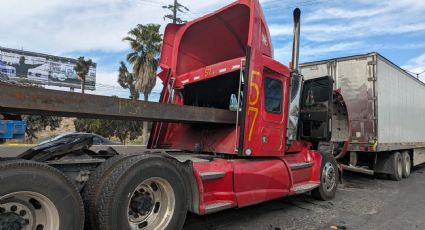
(385, 110)
(17, 99)
(201, 157)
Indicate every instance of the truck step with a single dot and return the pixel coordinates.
(212, 175)
(304, 188)
(301, 165)
(216, 207)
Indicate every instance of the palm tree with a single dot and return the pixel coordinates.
(145, 42)
(82, 68)
(127, 80)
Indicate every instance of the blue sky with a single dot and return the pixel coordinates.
(330, 28)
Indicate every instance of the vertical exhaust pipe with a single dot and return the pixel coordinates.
(296, 41)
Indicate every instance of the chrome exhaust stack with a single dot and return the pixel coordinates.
(296, 41)
(295, 84)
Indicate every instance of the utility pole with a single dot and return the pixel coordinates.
(175, 12)
(174, 9)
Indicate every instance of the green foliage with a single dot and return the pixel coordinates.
(127, 80)
(37, 123)
(3, 77)
(145, 42)
(82, 68)
(123, 130)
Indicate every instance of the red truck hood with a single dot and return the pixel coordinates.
(214, 38)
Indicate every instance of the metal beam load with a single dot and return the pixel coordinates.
(37, 101)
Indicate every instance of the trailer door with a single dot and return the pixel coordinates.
(315, 111)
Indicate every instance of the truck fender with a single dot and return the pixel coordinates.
(185, 167)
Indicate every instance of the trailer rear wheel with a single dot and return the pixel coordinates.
(407, 164)
(329, 175)
(397, 162)
(143, 193)
(36, 196)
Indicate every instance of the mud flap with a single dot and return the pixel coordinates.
(383, 163)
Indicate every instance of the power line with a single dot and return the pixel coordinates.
(416, 74)
(155, 2)
(275, 7)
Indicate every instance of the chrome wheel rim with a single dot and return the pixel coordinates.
(328, 177)
(29, 210)
(151, 205)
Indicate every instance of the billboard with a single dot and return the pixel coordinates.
(43, 69)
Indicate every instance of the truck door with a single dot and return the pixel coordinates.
(315, 112)
(264, 131)
(272, 133)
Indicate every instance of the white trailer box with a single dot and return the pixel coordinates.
(385, 104)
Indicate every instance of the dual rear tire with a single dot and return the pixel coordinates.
(125, 192)
(136, 192)
(401, 164)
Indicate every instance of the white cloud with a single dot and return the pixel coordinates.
(358, 19)
(61, 27)
(416, 65)
(322, 50)
(316, 52)
(281, 30)
(338, 27)
(107, 78)
(339, 13)
(58, 27)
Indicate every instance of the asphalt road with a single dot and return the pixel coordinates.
(362, 202)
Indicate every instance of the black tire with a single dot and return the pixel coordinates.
(329, 167)
(382, 176)
(397, 162)
(114, 199)
(407, 164)
(91, 189)
(43, 182)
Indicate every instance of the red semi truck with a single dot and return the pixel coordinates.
(233, 128)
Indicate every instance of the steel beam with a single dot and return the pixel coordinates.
(31, 100)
